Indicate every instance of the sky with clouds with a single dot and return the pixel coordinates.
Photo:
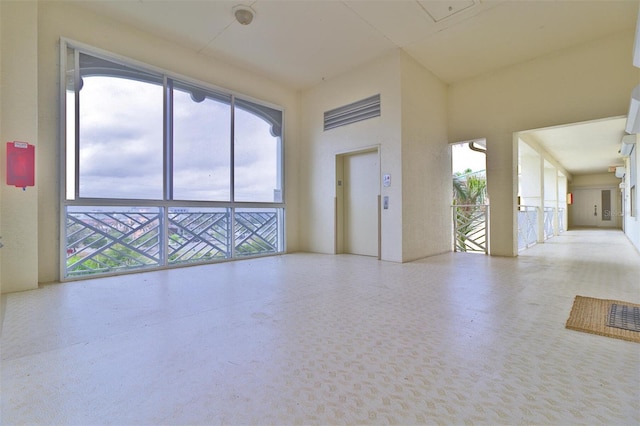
(121, 145)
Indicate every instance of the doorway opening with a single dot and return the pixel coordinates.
(568, 177)
(357, 203)
(470, 202)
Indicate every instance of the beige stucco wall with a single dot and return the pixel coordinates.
(586, 82)
(317, 191)
(19, 225)
(2, 155)
(426, 163)
(32, 85)
(531, 184)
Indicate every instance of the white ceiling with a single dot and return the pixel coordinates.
(301, 42)
(582, 148)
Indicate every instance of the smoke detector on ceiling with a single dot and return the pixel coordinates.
(244, 14)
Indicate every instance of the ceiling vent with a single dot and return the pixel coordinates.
(354, 112)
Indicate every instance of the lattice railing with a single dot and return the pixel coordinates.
(549, 213)
(561, 220)
(112, 239)
(470, 224)
(256, 232)
(527, 226)
(99, 241)
(198, 236)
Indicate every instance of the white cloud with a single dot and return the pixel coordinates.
(121, 148)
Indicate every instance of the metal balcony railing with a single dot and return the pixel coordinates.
(256, 233)
(470, 224)
(198, 236)
(111, 241)
(527, 226)
(102, 240)
(561, 221)
(549, 213)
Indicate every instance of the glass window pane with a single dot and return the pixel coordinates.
(201, 145)
(121, 131)
(115, 146)
(70, 142)
(257, 153)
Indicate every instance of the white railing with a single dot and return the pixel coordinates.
(196, 236)
(103, 240)
(111, 241)
(470, 224)
(527, 226)
(549, 213)
(560, 221)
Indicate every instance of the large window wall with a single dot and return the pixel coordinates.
(162, 171)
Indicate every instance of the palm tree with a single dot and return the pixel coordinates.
(469, 191)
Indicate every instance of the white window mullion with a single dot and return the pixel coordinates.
(232, 149)
(232, 231)
(232, 218)
(168, 139)
(167, 168)
(76, 90)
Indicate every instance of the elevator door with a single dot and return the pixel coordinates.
(361, 189)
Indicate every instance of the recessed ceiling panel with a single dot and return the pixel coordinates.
(403, 22)
(439, 10)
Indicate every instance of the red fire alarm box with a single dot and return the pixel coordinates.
(20, 164)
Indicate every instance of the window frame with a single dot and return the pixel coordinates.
(634, 158)
(167, 202)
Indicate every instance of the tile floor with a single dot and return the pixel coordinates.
(320, 339)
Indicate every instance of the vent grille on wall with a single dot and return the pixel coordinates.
(356, 111)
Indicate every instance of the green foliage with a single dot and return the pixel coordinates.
(469, 188)
(469, 191)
